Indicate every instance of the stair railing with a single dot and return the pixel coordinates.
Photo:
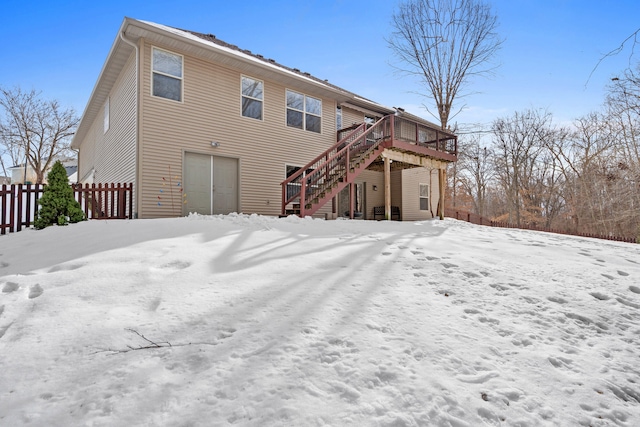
(312, 182)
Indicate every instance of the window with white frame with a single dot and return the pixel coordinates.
(252, 96)
(424, 197)
(338, 118)
(304, 112)
(106, 115)
(166, 73)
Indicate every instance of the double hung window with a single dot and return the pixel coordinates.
(424, 197)
(252, 96)
(166, 73)
(304, 112)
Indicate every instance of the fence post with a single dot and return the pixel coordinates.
(19, 203)
(130, 200)
(3, 194)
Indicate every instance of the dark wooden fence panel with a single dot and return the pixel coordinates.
(466, 216)
(477, 219)
(105, 201)
(19, 203)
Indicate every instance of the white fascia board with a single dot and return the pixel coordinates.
(373, 104)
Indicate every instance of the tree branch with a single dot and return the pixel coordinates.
(150, 344)
(615, 51)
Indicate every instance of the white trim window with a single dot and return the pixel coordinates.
(424, 197)
(338, 117)
(252, 96)
(304, 112)
(166, 71)
(106, 115)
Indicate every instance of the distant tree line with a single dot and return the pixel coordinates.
(525, 169)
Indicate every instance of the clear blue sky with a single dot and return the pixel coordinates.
(550, 48)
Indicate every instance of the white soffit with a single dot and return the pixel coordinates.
(367, 111)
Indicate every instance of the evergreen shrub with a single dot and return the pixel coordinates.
(57, 205)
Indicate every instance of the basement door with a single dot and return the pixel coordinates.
(210, 184)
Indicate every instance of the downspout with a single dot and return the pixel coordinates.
(77, 151)
(137, 120)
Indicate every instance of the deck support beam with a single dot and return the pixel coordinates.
(442, 179)
(387, 188)
(351, 200)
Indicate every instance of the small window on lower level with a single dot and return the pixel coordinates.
(424, 197)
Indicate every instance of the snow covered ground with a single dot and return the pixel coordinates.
(256, 321)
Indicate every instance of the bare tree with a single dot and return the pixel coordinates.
(632, 39)
(444, 43)
(581, 158)
(34, 129)
(623, 168)
(476, 172)
(623, 108)
(521, 165)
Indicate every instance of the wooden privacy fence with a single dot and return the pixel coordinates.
(479, 220)
(467, 216)
(19, 203)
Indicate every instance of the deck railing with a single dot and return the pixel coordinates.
(425, 136)
(310, 184)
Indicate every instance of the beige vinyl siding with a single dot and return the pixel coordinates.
(411, 180)
(211, 111)
(350, 117)
(87, 153)
(396, 190)
(372, 198)
(116, 156)
(112, 154)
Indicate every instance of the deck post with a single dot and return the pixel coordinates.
(351, 199)
(442, 176)
(283, 200)
(387, 188)
(303, 199)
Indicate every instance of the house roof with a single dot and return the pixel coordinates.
(209, 47)
(70, 165)
(71, 169)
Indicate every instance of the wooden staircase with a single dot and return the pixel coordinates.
(324, 177)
